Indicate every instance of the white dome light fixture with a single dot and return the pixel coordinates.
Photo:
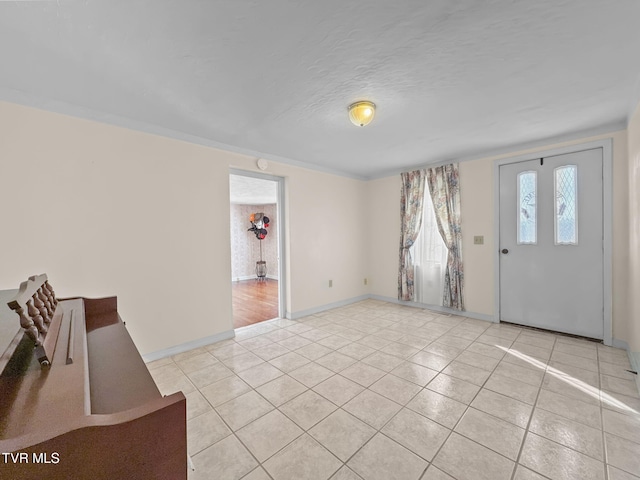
(361, 113)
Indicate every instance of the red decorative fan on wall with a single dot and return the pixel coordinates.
(259, 224)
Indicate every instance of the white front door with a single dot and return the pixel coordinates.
(551, 243)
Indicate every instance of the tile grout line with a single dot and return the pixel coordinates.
(452, 430)
(386, 373)
(533, 411)
(260, 464)
(233, 432)
(396, 322)
(605, 454)
(379, 430)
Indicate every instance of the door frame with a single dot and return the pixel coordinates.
(281, 224)
(607, 221)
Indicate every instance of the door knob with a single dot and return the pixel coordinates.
(505, 251)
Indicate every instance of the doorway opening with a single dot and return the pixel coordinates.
(256, 247)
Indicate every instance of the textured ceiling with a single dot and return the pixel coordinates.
(452, 79)
(252, 191)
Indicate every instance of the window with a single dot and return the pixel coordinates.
(429, 254)
(527, 214)
(566, 193)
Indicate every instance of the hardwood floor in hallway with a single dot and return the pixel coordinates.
(254, 301)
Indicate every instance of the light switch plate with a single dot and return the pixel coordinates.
(478, 240)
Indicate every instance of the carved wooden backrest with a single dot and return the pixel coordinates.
(35, 303)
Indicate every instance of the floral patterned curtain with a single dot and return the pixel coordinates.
(411, 202)
(445, 193)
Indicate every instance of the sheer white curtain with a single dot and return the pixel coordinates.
(429, 254)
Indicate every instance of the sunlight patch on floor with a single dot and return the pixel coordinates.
(574, 382)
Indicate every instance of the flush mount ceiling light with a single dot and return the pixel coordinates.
(361, 113)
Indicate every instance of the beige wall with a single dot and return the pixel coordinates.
(477, 216)
(384, 243)
(632, 331)
(109, 211)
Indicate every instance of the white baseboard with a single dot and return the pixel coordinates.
(620, 344)
(436, 308)
(329, 306)
(349, 301)
(634, 358)
(183, 347)
(252, 277)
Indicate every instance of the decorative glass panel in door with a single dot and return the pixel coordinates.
(527, 215)
(566, 221)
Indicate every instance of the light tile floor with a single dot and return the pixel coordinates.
(380, 391)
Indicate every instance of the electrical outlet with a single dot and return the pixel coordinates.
(478, 240)
(330, 283)
(366, 282)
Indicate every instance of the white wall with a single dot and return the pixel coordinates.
(477, 216)
(632, 331)
(109, 211)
